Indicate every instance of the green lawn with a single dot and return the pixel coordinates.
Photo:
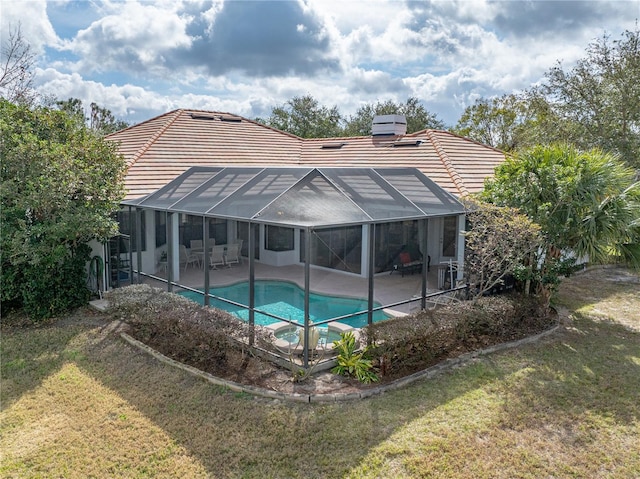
(77, 401)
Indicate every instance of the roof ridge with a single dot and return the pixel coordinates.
(155, 136)
(448, 164)
(466, 138)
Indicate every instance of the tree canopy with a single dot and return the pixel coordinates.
(99, 119)
(59, 185)
(586, 203)
(418, 118)
(594, 104)
(511, 122)
(599, 98)
(305, 117)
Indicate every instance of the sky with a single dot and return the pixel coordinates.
(143, 58)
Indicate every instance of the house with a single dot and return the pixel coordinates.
(199, 182)
(161, 149)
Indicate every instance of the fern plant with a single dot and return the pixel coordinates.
(350, 362)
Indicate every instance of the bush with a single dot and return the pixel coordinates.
(177, 326)
(417, 341)
(350, 362)
(49, 288)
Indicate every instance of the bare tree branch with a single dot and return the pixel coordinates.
(17, 61)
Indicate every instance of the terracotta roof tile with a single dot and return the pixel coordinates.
(161, 148)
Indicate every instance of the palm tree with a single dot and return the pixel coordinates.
(586, 203)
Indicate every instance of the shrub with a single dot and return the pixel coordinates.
(177, 326)
(59, 185)
(417, 341)
(351, 362)
(55, 286)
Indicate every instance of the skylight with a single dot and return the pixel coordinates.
(332, 146)
(407, 142)
(202, 116)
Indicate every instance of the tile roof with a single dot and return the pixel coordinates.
(160, 149)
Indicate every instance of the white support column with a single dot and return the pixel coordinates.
(364, 254)
(232, 231)
(149, 260)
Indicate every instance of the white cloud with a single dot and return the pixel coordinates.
(123, 100)
(141, 58)
(134, 38)
(34, 23)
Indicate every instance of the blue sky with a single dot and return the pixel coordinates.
(143, 58)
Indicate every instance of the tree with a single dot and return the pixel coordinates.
(596, 104)
(512, 122)
(59, 185)
(304, 117)
(509, 122)
(492, 121)
(103, 121)
(498, 243)
(586, 203)
(100, 120)
(600, 97)
(16, 74)
(418, 118)
(74, 108)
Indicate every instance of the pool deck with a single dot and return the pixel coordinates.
(388, 288)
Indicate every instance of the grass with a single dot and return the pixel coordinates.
(79, 402)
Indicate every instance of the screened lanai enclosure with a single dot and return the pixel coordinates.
(307, 252)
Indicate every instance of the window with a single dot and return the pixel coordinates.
(278, 238)
(393, 238)
(338, 248)
(161, 228)
(218, 230)
(449, 236)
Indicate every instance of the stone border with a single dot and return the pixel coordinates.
(336, 397)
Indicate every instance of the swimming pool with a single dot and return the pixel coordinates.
(286, 300)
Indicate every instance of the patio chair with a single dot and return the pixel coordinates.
(187, 258)
(197, 245)
(233, 253)
(408, 264)
(216, 257)
(314, 338)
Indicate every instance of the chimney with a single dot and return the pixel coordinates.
(389, 125)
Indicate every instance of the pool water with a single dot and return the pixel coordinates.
(286, 300)
(290, 335)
